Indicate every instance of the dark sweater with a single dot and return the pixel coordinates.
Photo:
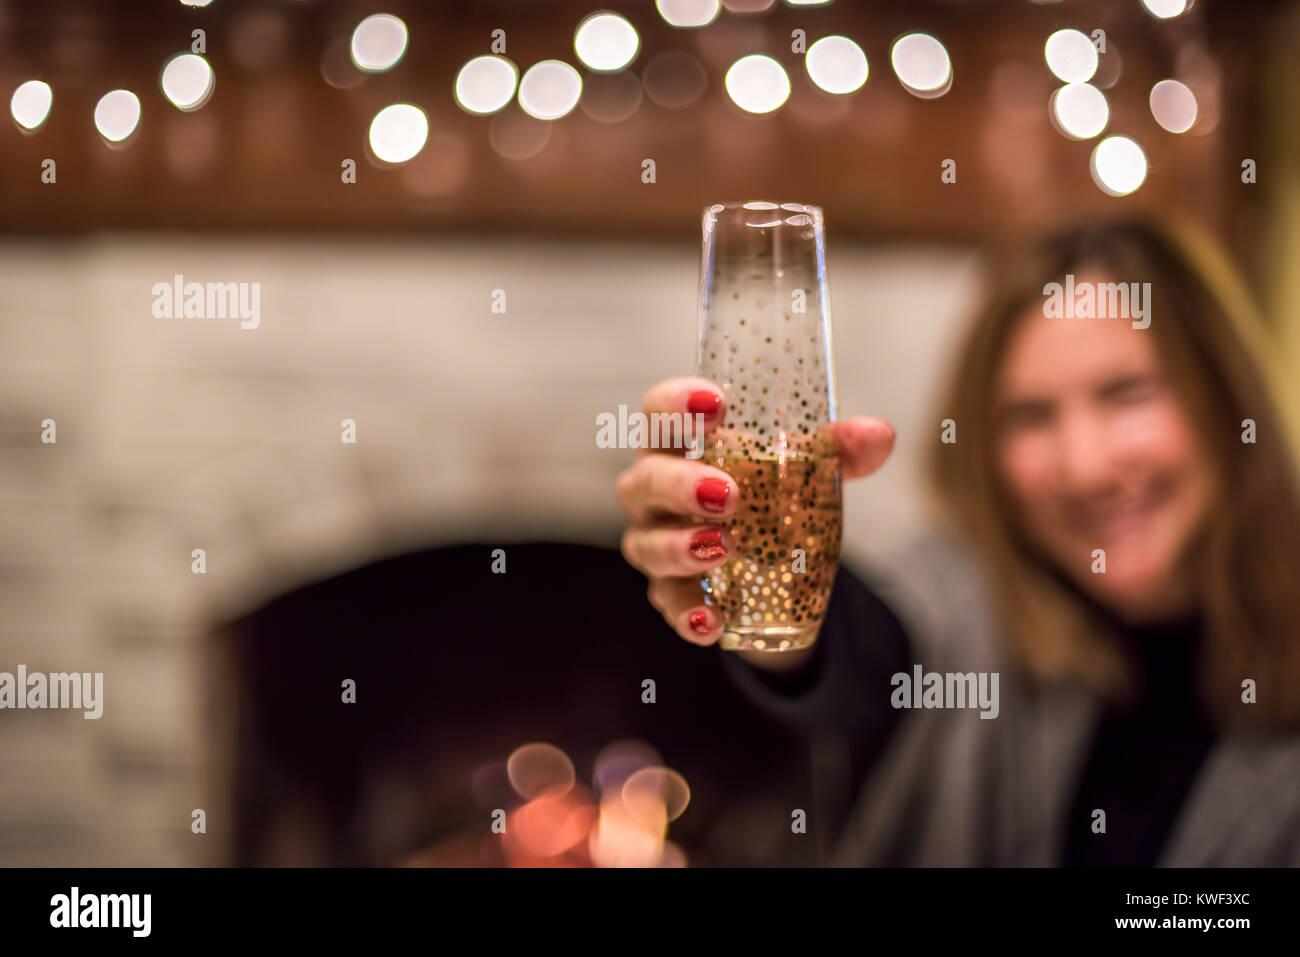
(1142, 761)
(1144, 755)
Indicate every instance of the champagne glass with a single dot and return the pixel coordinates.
(765, 339)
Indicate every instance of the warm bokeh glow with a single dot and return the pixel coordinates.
(619, 760)
(655, 790)
(551, 824)
(675, 79)
(540, 768)
(620, 839)
(515, 135)
(611, 97)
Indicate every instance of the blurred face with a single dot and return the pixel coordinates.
(1098, 452)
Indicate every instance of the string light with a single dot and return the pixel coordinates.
(757, 83)
(30, 104)
(1080, 110)
(1071, 56)
(550, 89)
(1173, 105)
(836, 64)
(486, 84)
(379, 43)
(398, 132)
(117, 114)
(922, 65)
(1118, 165)
(187, 81)
(606, 42)
(688, 13)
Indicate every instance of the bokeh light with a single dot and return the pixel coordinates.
(1110, 65)
(619, 760)
(1118, 165)
(187, 81)
(1071, 56)
(486, 84)
(656, 790)
(1166, 9)
(606, 42)
(117, 114)
(258, 40)
(611, 97)
(552, 823)
(1080, 110)
(398, 132)
(30, 104)
(836, 64)
(620, 821)
(757, 83)
(621, 839)
(1173, 105)
(516, 135)
(675, 79)
(336, 66)
(550, 89)
(922, 65)
(688, 13)
(191, 148)
(379, 43)
(540, 768)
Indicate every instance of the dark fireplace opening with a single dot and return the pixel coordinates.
(455, 668)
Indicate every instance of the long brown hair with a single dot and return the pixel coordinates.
(1248, 558)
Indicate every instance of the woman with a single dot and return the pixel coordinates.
(1123, 546)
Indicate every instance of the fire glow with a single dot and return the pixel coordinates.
(621, 821)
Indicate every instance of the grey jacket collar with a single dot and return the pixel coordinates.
(951, 789)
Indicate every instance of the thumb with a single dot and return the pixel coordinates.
(863, 443)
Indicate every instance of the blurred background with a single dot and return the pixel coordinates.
(474, 227)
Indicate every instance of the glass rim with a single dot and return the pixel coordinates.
(758, 205)
(769, 215)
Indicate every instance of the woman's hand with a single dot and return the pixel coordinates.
(677, 508)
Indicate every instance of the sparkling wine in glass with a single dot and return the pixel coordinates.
(765, 339)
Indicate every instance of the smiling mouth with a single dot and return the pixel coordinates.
(1123, 518)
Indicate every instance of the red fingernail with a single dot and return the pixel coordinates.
(700, 622)
(704, 403)
(706, 544)
(712, 493)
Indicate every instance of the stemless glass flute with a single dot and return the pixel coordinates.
(765, 339)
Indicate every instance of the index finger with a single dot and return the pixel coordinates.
(687, 396)
(863, 444)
